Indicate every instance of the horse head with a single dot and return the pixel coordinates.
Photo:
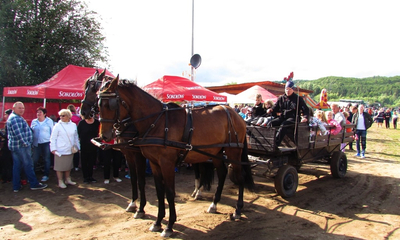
(109, 108)
(92, 85)
(123, 104)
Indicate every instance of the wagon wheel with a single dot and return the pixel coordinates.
(286, 181)
(338, 164)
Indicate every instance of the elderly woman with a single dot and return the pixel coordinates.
(63, 138)
(42, 127)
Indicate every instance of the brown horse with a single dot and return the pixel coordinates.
(169, 134)
(133, 156)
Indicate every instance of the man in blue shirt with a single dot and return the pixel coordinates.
(19, 142)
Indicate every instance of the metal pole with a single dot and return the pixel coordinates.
(192, 69)
(2, 109)
(44, 102)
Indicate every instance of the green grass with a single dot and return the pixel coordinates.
(383, 143)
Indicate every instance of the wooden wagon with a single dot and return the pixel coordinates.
(304, 146)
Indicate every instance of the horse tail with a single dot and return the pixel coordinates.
(246, 170)
(206, 175)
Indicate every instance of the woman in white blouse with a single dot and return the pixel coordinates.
(63, 137)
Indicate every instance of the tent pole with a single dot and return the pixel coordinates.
(191, 67)
(2, 109)
(44, 102)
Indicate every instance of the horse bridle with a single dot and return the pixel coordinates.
(94, 108)
(113, 103)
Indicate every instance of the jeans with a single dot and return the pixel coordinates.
(22, 158)
(362, 136)
(44, 150)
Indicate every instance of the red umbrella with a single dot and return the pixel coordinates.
(173, 88)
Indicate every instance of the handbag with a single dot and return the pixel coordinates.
(74, 148)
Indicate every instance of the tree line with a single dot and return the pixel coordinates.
(372, 90)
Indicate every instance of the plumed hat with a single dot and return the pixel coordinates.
(289, 84)
(289, 81)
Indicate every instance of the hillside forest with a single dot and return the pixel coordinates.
(372, 90)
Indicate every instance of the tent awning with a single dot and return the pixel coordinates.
(66, 84)
(251, 93)
(174, 88)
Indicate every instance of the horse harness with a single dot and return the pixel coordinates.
(185, 145)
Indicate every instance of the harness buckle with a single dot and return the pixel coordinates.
(189, 147)
(166, 129)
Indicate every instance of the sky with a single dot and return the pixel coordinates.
(250, 41)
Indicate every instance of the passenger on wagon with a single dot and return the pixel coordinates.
(287, 104)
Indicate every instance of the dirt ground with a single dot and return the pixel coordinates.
(363, 205)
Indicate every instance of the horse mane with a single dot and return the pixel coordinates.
(125, 83)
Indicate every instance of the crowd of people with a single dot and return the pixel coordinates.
(289, 108)
(62, 145)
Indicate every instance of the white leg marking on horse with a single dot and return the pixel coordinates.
(194, 193)
(166, 233)
(235, 216)
(212, 208)
(155, 228)
(138, 215)
(198, 195)
(131, 207)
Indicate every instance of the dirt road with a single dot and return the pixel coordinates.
(363, 205)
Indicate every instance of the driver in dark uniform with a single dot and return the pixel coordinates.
(287, 106)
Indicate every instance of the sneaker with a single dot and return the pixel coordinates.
(362, 156)
(107, 181)
(357, 155)
(76, 169)
(118, 179)
(44, 178)
(92, 180)
(127, 176)
(17, 190)
(39, 186)
(86, 181)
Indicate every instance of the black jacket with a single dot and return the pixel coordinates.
(287, 106)
(367, 120)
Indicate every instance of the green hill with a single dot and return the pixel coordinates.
(377, 89)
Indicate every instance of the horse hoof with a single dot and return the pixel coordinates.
(198, 195)
(235, 216)
(131, 208)
(138, 215)
(212, 208)
(155, 228)
(193, 195)
(167, 233)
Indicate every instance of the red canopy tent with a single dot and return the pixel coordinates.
(173, 88)
(66, 84)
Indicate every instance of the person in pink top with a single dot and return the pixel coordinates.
(75, 119)
(332, 122)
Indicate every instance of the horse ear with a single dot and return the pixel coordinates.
(114, 83)
(102, 75)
